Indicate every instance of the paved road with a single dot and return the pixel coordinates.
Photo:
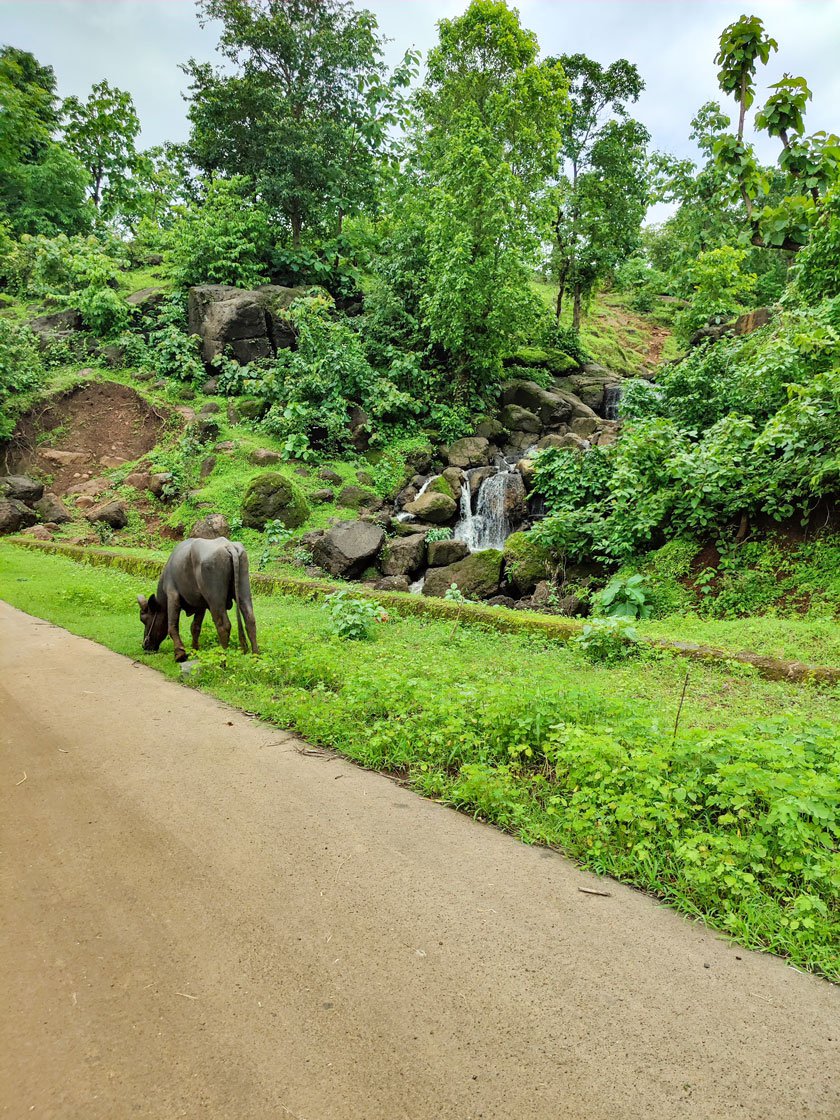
(201, 921)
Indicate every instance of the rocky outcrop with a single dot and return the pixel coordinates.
(273, 497)
(57, 327)
(526, 563)
(247, 324)
(348, 548)
(516, 418)
(51, 508)
(477, 576)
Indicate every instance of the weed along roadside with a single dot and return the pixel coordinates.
(552, 628)
(718, 796)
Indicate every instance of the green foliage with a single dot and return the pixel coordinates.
(440, 534)
(642, 282)
(224, 240)
(818, 265)
(21, 369)
(393, 468)
(453, 594)
(353, 619)
(623, 597)
(720, 289)
(608, 640)
(101, 132)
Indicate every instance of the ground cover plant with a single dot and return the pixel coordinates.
(730, 812)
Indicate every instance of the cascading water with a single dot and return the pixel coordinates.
(612, 397)
(489, 526)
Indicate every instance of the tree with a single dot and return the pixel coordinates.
(305, 114)
(42, 186)
(810, 165)
(101, 132)
(485, 147)
(601, 195)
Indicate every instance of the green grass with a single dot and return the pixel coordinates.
(734, 819)
(814, 640)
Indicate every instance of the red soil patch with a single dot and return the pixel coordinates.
(100, 424)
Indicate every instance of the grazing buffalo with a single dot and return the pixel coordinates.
(200, 575)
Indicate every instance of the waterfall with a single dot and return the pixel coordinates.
(612, 396)
(489, 526)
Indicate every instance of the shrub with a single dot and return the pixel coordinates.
(351, 618)
(818, 264)
(608, 640)
(21, 368)
(721, 289)
(623, 598)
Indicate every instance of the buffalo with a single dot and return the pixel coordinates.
(200, 575)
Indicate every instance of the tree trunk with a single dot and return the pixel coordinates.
(576, 308)
(296, 228)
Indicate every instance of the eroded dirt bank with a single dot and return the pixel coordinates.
(200, 920)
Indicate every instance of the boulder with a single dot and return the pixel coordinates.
(347, 549)
(409, 528)
(527, 468)
(111, 462)
(443, 553)
(14, 516)
(328, 475)
(113, 356)
(455, 478)
(403, 556)
(589, 386)
(607, 434)
(392, 583)
(477, 576)
(111, 513)
(472, 451)
(64, 458)
(57, 326)
(322, 496)
(434, 507)
(516, 418)
(752, 320)
(208, 465)
(39, 532)
(147, 299)
(250, 324)
(51, 508)
(526, 562)
(210, 527)
(419, 459)
(273, 497)
(21, 488)
(364, 478)
(548, 407)
(477, 478)
(502, 601)
(357, 497)
(491, 429)
(264, 457)
(92, 488)
(251, 409)
(569, 441)
(585, 426)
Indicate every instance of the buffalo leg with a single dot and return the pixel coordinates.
(250, 622)
(195, 629)
(173, 611)
(222, 622)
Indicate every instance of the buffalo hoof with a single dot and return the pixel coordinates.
(180, 655)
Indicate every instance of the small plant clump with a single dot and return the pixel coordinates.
(353, 619)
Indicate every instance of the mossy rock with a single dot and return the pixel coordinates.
(440, 485)
(549, 357)
(526, 562)
(274, 497)
(477, 576)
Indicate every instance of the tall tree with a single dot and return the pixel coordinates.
(101, 132)
(486, 146)
(305, 113)
(42, 186)
(601, 193)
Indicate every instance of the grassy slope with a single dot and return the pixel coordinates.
(615, 335)
(426, 700)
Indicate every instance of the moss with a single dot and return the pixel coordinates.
(440, 485)
(274, 497)
(477, 576)
(549, 357)
(526, 562)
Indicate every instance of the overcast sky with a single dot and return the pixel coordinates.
(138, 44)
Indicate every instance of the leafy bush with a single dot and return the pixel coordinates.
(623, 598)
(224, 240)
(21, 368)
(440, 534)
(818, 264)
(608, 640)
(642, 281)
(351, 618)
(720, 289)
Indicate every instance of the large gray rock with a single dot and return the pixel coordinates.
(553, 406)
(589, 386)
(51, 508)
(56, 327)
(248, 323)
(274, 497)
(348, 548)
(434, 507)
(357, 497)
(443, 553)
(477, 576)
(21, 488)
(516, 418)
(147, 299)
(472, 451)
(114, 514)
(14, 516)
(403, 556)
(393, 583)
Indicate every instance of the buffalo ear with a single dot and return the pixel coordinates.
(153, 603)
(143, 601)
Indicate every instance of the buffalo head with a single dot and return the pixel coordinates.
(153, 617)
